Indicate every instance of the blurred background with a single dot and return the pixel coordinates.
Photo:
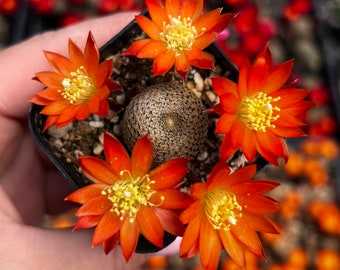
(309, 32)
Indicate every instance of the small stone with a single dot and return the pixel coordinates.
(116, 130)
(59, 132)
(211, 96)
(98, 149)
(120, 99)
(202, 156)
(199, 82)
(96, 124)
(114, 119)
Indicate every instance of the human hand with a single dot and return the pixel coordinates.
(30, 187)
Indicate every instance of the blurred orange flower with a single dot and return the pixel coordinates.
(127, 199)
(77, 87)
(178, 32)
(257, 113)
(227, 212)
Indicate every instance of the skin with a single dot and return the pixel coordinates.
(30, 186)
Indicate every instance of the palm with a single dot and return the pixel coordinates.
(33, 186)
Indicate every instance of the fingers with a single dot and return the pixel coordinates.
(24, 247)
(19, 63)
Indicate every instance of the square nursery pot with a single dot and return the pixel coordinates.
(63, 145)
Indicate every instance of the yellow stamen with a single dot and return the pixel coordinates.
(129, 194)
(257, 111)
(179, 34)
(78, 88)
(222, 209)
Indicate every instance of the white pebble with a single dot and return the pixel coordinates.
(59, 132)
(96, 124)
(202, 156)
(98, 149)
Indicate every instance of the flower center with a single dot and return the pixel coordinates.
(79, 88)
(128, 195)
(257, 111)
(179, 34)
(222, 209)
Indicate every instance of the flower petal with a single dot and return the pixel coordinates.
(169, 173)
(173, 8)
(150, 226)
(256, 186)
(225, 122)
(258, 205)
(97, 170)
(110, 243)
(289, 96)
(60, 63)
(136, 47)
(210, 245)
(258, 223)
(141, 157)
(76, 55)
(152, 49)
(95, 206)
(129, 234)
(249, 238)
(241, 175)
(91, 54)
(210, 21)
(50, 95)
(86, 193)
(50, 79)
(243, 78)
(271, 147)
(55, 108)
(190, 242)
(258, 74)
(227, 149)
(191, 212)
(116, 155)
(163, 62)
(68, 115)
(191, 9)
(171, 199)
(230, 103)
(170, 221)
(233, 246)
(219, 179)
(109, 224)
(182, 64)
(204, 62)
(248, 146)
(278, 77)
(223, 86)
(101, 74)
(149, 26)
(86, 222)
(157, 12)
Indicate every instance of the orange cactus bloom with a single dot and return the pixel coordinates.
(178, 32)
(227, 212)
(77, 87)
(257, 113)
(127, 199)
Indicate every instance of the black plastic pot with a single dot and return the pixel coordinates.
(112, 47)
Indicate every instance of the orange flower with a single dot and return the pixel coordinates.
(257, 113)
(77, 87)
(178, 34)
(127, 199)
(227, 212)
